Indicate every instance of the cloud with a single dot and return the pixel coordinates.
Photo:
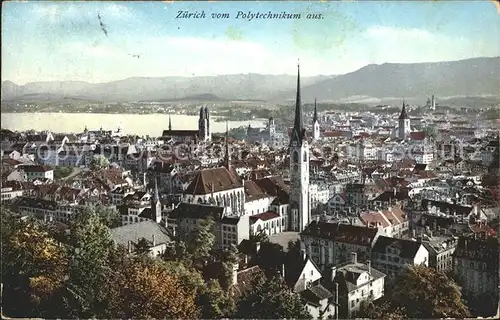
(399, 33)
(77, 11)
(380, 44)
(90, 50)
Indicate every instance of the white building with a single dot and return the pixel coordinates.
(32, 172)
(358, 284)
(228, 229)
(403, 130)
(217, 187)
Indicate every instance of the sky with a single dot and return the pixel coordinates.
(47, 41)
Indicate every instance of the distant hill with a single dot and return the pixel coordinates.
(224, 87)
(464, 78)
(460, 81)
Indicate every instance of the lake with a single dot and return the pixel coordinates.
(140, 124)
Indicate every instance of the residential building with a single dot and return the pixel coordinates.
(392, 255)
(357, 285)
(331, 243)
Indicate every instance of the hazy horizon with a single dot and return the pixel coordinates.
(63, 41)
(238, 74)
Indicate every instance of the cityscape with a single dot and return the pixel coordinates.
(279, 191)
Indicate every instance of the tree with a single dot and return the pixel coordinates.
(90, 247)
(422, 292)
(271, 300)
(143, 288)
(142, 247)
(109, 216)
(33, 268)
(382, 310)
(61, 172)
(221, 267)
(270, 258)
(99, 162)
(214, 302)
(202, 242)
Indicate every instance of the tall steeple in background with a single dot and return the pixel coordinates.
(298, 132)
(315, 117)
(403, 114)
(169, 123)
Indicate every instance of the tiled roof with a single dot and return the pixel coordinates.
(363, 236)
(264, 216)
(417, 135)
(180, 133)
(407, 248)
(136, 231)
(245, 280)
(36, 168)
(315, 294)
(213, 180)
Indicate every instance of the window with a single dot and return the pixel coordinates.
(296, 157)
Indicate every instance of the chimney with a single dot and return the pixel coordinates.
(414, 233)
(304, 254)
(246, 259)
(257, 247)
(283, 270)
(369, 263)
(129, 247)
(354, 257)
(154, 241)
(430, 233)
(333, 272)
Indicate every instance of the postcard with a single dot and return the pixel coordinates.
(250, 159)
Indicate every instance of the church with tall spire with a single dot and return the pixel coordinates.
(403, 130)
(315, 123)
(300, 214)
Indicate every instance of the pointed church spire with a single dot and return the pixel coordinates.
(403, 114)
(298, 127)
(169, 123)
(315, 117)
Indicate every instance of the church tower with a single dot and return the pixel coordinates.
(202, 125)
(404, 123)
(300, 215)
(315, 123)
(156, 203)
(169, 123)
(207, 122)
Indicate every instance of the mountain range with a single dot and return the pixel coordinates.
(476, 77)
